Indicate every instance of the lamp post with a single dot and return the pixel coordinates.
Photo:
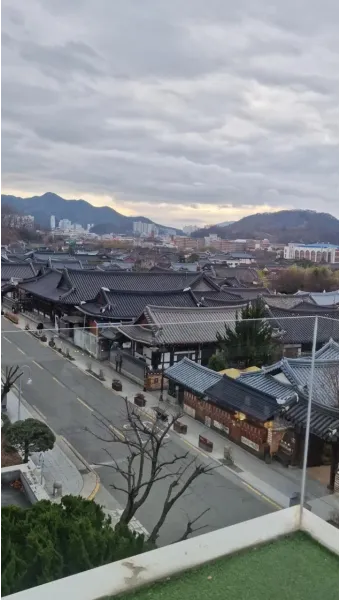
(162, 348)
(29, 381)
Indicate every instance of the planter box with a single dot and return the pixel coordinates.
(139, 401)
(117, 385)
(205, 444)
(180, 427)
(12, 317)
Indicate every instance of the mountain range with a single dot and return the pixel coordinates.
(284, 226)
(104, 219)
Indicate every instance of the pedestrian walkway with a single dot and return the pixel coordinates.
(55, 464)
(273, 480)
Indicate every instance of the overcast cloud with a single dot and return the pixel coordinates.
(186, 111)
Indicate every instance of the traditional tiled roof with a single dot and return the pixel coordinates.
(127, 305)
(59, 256)
(236, 395)
(231, 295)
(324, 422)
(60, 265)
(297, 371)
(192, 376)
(245, 274)
(298, 324)
(249, 293)
(19, 271)
(44, 286)
(216, 298)
(286, 302)
(191, 267)
(322, 298)
(232, 282)
(329, 351)
(172, 326)
(76, 286)
(268, 384)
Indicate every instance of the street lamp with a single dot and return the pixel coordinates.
(162, 349)
(29, 381)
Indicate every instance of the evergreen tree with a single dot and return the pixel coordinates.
(217, 362)
(249, 343)
(30, 436)
(49, 541)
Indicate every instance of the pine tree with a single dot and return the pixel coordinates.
(49, 541)
(249, 343)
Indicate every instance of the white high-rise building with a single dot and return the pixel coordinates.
(52, 222)
(65, 224)
(144, 228)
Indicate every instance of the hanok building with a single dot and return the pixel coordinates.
(296, 323)
(162, 336)
(75, 299)
(266, 411)
(13, 273)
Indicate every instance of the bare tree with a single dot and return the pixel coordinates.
(8, 380)
(146, 465)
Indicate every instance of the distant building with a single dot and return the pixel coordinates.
(144, 228)
(323, 252)
(15, 221)
(52, 222)
(65, 224)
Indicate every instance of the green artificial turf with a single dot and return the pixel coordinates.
(292, 568)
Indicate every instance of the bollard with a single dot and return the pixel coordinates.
(57, 489)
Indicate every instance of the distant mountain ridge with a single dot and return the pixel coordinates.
(284, 226)
(104, 218)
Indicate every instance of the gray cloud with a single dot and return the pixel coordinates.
(183, 103)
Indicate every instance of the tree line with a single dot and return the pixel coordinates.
(311, 279)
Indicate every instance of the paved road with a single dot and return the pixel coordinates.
(71, 401)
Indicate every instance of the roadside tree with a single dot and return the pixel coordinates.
(147, 463)
(8, 379)
(30, 436)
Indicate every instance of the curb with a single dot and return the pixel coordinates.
(86, 464)
(96, 487)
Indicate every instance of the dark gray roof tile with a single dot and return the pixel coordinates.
(192, 375)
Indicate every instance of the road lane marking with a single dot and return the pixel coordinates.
(39, 412)
(57, 380)
(22, 352)
(84, 404)
(37, 364)
(118, 433)
(277, 506)
(195, 448)
(7, 340)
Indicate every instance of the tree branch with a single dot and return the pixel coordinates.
(189, 529)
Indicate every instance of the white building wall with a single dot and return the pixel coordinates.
(313, 252)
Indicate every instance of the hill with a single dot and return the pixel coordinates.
(302, 226)
(77, 211)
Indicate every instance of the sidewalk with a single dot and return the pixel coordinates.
(57, 464)
(273, 481)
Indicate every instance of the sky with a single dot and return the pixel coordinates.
(184, 111)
